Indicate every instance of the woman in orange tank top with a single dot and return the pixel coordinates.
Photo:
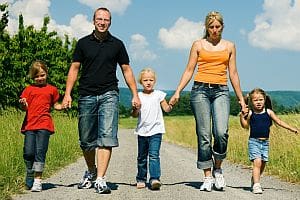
(214, 58)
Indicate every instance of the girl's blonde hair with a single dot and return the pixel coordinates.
(36, 67)
(146, 70)
(210, 17)
(268, 101)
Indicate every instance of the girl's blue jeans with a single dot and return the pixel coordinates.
(211, 107)
(35, 149)
(148, 146)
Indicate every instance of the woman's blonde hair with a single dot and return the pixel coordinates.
(210, 17)
(146, 70)
(36, 67)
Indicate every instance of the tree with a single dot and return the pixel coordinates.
(20, 50)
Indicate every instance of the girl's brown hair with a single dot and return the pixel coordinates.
(268, 101)
(36, 67)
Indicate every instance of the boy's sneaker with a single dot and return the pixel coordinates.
(219, 179)
(207, 184)
(155, 184)
(87, 180)
(37, 186)
(256, 189)
(101, 187)
(29, 179)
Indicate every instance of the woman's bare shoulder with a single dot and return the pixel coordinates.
(198, 43)
(229, 43)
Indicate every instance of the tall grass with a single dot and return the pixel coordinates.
(63, 149)
(284, 157)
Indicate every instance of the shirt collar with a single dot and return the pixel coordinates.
(108, 38)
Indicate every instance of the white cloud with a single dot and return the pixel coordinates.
(138, 49)
(117, 6)
(277, 26)
(34, 11)
(6, 1)
(182, 34)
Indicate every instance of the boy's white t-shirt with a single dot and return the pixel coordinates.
(150, 119)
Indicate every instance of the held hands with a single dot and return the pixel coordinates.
(136, 103)
(244, 109)
(244, 113)
(174, 99)
(67, 102)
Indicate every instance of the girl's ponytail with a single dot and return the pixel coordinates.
(268, 102)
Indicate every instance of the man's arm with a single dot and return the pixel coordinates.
(71, 79)
(131, 83)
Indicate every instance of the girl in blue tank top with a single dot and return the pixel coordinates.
(259, 119)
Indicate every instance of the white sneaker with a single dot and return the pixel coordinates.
(101, 186)
(37, 186)
(207, 184)
(256, 189)
(220, 183)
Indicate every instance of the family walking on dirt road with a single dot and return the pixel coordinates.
(96, 58)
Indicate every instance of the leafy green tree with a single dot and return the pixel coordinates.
(4, 44)
(22, 49)
(234, 105)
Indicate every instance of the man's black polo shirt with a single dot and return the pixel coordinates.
(99, 62)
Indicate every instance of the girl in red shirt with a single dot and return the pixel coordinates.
(37, 99)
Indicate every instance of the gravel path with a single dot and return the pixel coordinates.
(180, 177)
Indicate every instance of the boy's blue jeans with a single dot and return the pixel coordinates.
(35, 149)
(148, 146)
(211, 107)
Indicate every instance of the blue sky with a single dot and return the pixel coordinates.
(159, 33)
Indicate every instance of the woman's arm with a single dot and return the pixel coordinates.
(188, 72)
(234, 77)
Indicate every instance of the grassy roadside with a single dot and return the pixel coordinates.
(284, 158)
(64, 148)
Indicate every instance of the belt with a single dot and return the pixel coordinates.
(208, 85)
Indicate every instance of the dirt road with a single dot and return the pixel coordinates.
(180, 177)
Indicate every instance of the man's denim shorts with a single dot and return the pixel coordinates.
(258, 149)
(98, 120)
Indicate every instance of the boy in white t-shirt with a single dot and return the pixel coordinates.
(150, 128)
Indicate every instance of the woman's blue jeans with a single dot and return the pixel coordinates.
(148, 146)
(35, 148)
(211, 107)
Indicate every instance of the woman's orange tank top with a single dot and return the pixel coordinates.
(212, 66)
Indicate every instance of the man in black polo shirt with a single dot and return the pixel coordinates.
(97, 56)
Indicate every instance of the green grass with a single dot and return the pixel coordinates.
(284, 157)
(64, 148)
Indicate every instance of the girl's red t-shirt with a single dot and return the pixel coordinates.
(40, 99)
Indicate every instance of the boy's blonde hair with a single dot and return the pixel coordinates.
(146, 70)
(36, 67)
